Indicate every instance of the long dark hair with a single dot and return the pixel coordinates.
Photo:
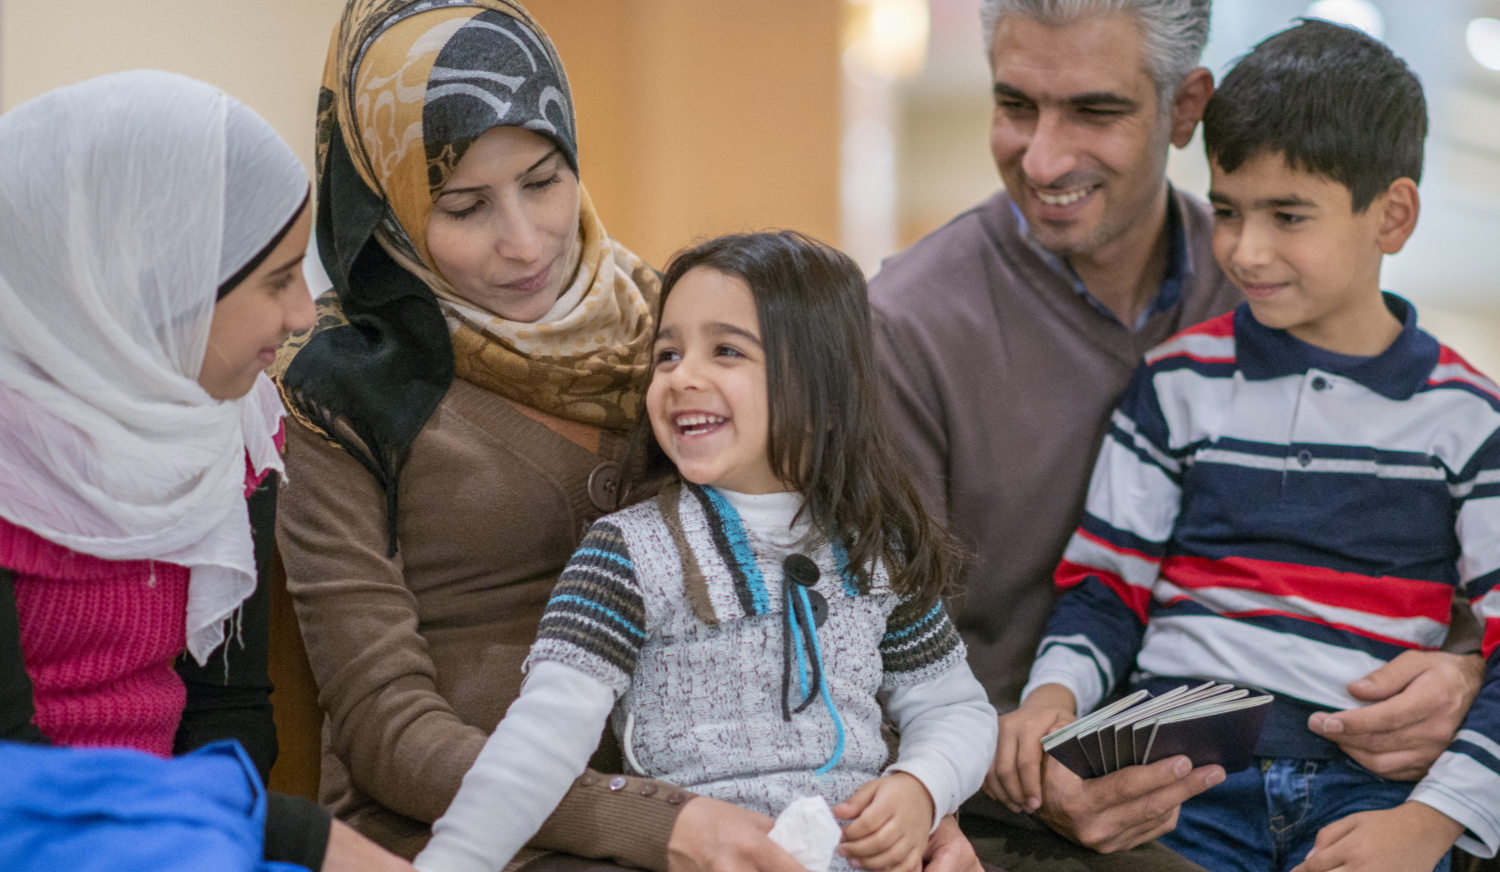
(829, 439)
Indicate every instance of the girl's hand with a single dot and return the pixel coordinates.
(891, 818)
(1411, 837)
(1016, 777)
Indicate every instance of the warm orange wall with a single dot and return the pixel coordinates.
(695, 116)
(704, 116)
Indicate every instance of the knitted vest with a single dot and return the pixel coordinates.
(685, 615)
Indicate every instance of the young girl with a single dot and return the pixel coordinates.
(740, 623)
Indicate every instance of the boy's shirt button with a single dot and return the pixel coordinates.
(1319, 384)
(1304, 457)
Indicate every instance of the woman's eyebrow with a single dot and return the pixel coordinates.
(546, 157)
(290, 263)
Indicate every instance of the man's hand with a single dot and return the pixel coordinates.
(1411, 837)
(1015, 778)
(348, 851)
(715, 836)
(1419, 701)
(949, 850)
(1129, 807)
(890, 818)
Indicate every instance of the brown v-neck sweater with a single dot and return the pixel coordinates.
(418, 656)
(1000, 381)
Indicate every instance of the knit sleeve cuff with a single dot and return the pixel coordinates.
(621, 818)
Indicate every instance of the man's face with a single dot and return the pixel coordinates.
(1077, 133)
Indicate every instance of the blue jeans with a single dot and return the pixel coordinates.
(1266, 818)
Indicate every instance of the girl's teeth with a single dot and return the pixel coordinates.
(694, 424)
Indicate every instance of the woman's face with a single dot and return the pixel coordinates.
(252, 320)
(503, 228)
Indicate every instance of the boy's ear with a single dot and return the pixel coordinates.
(1399, 206)
(1187, 106)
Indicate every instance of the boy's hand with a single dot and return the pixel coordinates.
(891, 818)
(1411, 837)
(1016, 776)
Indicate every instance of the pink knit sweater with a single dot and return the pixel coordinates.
(100, 637)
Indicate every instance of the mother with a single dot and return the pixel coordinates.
(461, 412)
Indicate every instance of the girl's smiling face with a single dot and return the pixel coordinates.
(708, 401)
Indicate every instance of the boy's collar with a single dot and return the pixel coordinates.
(1397, 372)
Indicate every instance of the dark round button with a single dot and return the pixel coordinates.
(819, 607)
(1304, 457)
(618, 783)
(676, 798)
(648, 789)
(801, 570)
(604, 486)
(1319, 383)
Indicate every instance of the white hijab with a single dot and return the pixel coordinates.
(125, 201)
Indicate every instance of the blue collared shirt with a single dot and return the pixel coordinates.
(1179, 265)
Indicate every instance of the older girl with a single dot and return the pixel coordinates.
(150, 265)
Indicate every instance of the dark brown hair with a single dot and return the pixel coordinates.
(1333, 101)
(829, 439)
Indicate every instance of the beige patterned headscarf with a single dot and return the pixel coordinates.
(489, 64)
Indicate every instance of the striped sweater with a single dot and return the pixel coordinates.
(1272, 515)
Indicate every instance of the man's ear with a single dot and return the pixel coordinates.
(1187, 106)
(1399, 206)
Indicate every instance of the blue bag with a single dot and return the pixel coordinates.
(116, 810)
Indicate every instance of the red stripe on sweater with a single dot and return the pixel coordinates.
(1070, 574)
(1384, 596)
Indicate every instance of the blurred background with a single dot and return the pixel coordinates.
(862, 122)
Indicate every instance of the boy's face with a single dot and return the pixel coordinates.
(1291, 240)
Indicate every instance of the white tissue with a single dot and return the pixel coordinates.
(806, 830)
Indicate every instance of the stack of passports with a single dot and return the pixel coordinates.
(1210, 723)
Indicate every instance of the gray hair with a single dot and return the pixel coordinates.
(1174, 31)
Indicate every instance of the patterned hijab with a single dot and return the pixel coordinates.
(407, 88)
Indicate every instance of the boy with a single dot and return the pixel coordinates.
(1291, 493)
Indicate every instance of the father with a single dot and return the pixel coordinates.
(1007, 338)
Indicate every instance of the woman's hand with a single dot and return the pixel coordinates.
(348, 851)
(715, 836)
(1016, 776)
(890, 819)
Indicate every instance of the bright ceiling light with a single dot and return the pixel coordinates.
(1359, 14)
(1483, 37)
(887, 39)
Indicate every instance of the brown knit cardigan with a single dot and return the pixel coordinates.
(418, 656)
